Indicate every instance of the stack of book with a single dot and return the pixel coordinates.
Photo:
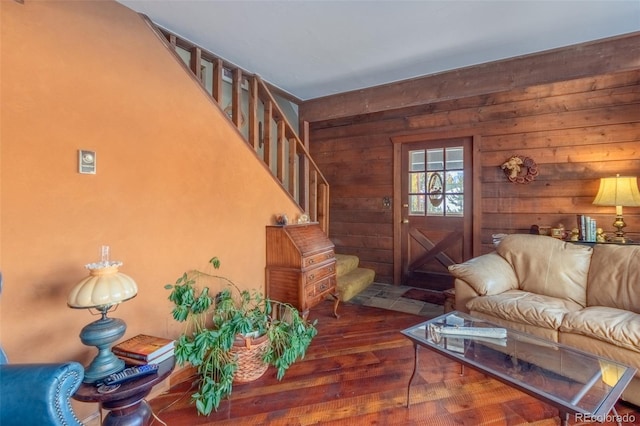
(144, 349)
(586, 227)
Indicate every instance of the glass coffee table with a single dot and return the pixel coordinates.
(573, 381)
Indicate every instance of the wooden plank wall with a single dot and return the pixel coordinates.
(576, 130)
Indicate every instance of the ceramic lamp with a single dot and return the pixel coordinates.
(102, 290)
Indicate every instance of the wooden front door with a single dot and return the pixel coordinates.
(436, 210)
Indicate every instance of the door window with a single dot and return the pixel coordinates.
(436, 182)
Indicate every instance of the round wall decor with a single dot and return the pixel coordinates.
(520, 169)
(434, 188)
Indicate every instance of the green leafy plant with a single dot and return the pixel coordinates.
(214, 322)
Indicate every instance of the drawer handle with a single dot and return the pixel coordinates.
(323, 287)
(331, 269)
(311, 277)
(310, 261)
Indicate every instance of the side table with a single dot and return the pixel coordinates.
(126, 404)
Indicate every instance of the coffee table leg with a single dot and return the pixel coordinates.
(415, 368)
(617, 417)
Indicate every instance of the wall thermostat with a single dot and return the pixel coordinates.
(87, 162)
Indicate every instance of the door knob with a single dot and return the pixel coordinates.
(405, 220)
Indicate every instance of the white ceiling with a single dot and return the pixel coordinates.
(316, 48)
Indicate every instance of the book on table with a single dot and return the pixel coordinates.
(144, 348)
(157, 360)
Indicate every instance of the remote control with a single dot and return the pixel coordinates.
(130, 374)
(494, 333)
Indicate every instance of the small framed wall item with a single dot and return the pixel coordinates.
(86, 162)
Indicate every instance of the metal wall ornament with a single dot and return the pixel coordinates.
(520, 169)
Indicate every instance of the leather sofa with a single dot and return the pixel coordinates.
(582, 296)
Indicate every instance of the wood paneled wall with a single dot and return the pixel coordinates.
(576, 130)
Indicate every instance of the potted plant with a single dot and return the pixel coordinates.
(234, 335)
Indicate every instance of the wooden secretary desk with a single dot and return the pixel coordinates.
(301, 266)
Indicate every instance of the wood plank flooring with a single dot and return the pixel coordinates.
(356, 373)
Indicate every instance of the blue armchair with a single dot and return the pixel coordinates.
(38, 394)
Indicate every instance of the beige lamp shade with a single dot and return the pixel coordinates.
(104, 286)
(618, 191)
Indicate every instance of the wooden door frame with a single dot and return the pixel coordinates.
(476, 194)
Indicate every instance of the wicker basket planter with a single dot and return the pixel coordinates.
(249, 353)
(220, 334)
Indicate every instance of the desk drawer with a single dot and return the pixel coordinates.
(317, 274)
(320, 288)
(317, 259)
(317, 291)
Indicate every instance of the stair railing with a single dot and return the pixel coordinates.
(268, 131)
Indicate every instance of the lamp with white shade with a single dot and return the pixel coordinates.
(618, 191)
(103, 290)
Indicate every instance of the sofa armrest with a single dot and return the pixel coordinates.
(464, 293)
(487, 274)
(39, 394)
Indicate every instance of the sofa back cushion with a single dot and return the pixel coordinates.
(614, 277)
(548, 266)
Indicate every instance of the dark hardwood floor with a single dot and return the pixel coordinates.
(356, 373)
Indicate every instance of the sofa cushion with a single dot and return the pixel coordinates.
(548, 266)
(486, 274)
(614, 277)
(525, 307)
(611, 325)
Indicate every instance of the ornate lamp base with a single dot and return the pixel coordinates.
(619, 224)
(102, 334)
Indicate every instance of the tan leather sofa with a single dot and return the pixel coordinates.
(581, 296)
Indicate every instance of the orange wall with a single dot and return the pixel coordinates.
(175, 184)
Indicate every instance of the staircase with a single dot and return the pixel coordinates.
(351, 279)
(265, 122)
(263, 116)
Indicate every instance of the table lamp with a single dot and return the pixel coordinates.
(102, 290)
(618, 191)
